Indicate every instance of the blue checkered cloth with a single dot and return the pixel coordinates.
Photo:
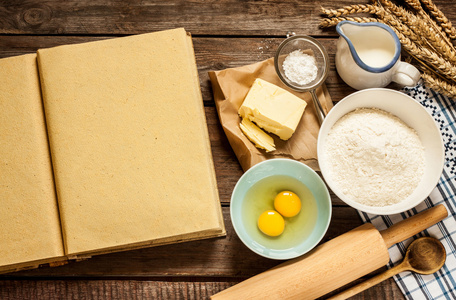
(442, 284)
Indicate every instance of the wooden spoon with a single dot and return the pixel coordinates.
(425, 255)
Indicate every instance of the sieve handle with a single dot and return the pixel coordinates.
(318, 108)
(413, 225)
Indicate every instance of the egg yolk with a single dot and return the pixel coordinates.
(287, 204)
(271, 223)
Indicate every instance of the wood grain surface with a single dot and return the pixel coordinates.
(226, 33)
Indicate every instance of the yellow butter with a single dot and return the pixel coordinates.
(272, 108)
(260, 138)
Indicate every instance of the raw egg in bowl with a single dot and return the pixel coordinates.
(280, 208)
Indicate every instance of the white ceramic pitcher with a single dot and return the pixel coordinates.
(368, 56)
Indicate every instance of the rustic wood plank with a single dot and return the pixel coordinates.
(231, 17)
(109, 289)
(99, 17)
(148, 289)
(387, 289)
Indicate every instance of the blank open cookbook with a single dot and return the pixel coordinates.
(104, 148)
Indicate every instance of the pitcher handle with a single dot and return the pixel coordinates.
(406, 74)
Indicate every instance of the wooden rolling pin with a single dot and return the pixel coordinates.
(334, 263)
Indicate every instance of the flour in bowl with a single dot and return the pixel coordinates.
(374, 157)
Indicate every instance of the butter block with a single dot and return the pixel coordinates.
(260, 138)
(272, 108)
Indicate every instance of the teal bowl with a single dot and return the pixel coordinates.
(254, 193)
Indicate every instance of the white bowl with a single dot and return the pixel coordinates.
(410, 112)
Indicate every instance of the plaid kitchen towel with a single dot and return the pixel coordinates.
(442, 284)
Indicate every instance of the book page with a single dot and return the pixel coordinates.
(29, 220)
(129, 142)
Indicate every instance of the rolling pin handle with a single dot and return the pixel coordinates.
(413, 225)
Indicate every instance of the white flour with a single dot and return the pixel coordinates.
(300, 67)
(374, 157)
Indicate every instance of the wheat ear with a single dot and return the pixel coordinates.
(395, 22)
(437, 42)
(348, 10)
(417, 25)
(415, 4)
(328, 22)
(426, 55)
(402, 14)
(416, 46)
(439, 85)
(441, 18)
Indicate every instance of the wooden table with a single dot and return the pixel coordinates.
(226, 33)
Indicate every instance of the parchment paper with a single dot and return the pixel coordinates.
(230, 86)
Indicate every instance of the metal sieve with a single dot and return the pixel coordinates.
(305, 44)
